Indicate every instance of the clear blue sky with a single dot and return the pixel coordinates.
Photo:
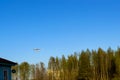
(56, 27)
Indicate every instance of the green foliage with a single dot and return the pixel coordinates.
(87, 65)
(24, 71)
(84, 65)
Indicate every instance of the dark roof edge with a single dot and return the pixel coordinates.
(2, 60)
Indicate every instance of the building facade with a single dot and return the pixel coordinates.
(5, 69)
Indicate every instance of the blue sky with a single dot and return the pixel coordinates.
(57, 27)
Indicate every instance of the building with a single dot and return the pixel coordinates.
(5, 69)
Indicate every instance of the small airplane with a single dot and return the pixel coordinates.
(36, 49)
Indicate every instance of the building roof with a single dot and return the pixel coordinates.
(5, 61)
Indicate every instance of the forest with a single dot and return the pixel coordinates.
(85, 65)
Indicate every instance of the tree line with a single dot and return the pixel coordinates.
(86, 65)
